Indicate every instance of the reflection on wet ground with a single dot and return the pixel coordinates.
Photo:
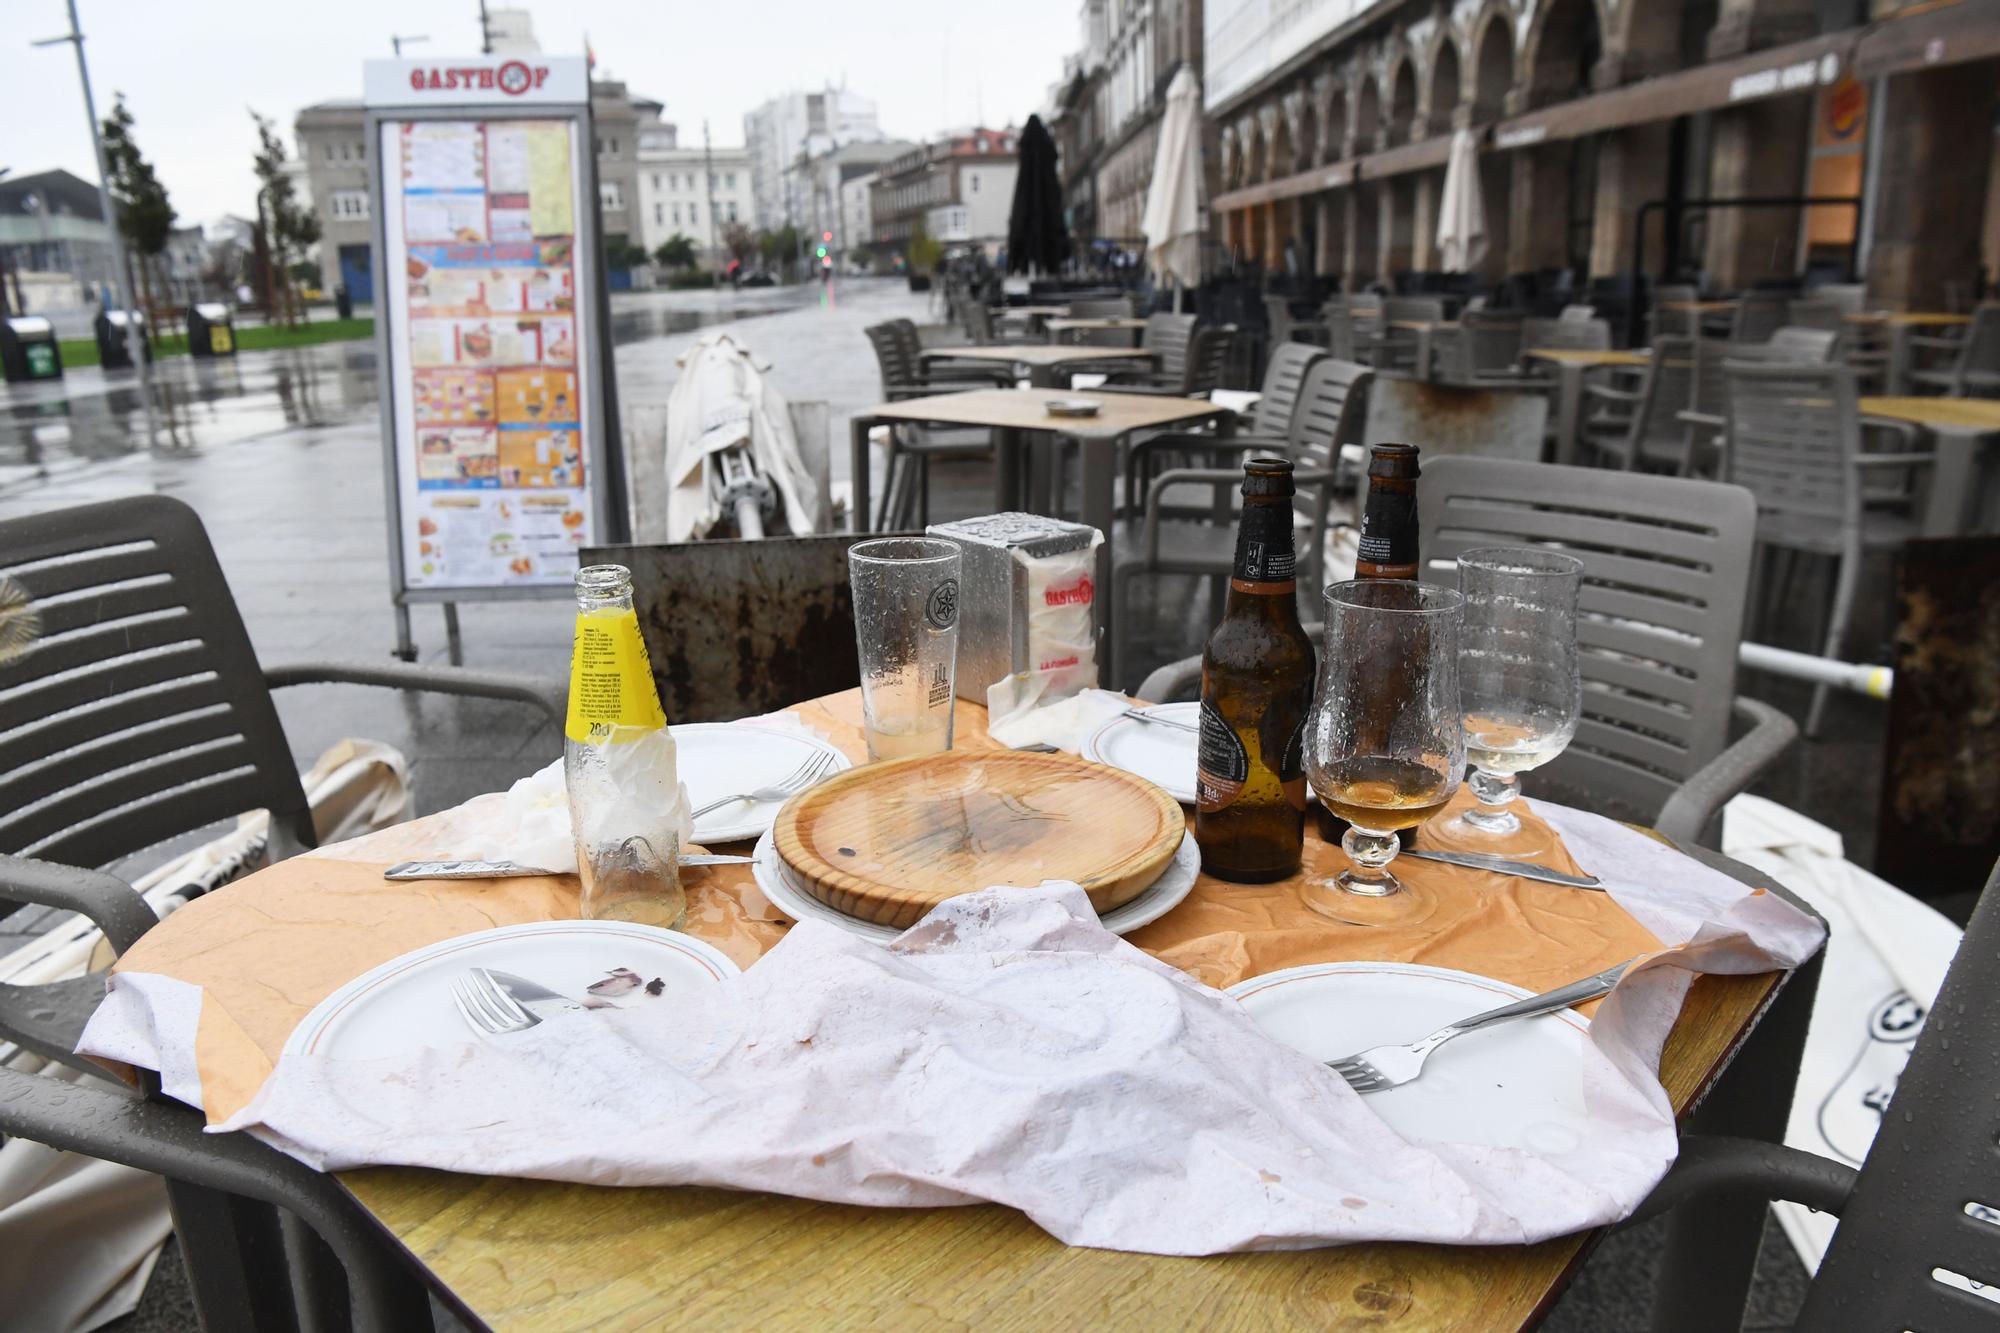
(50, 431)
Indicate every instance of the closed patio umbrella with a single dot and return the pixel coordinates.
(1173, 206)
(1037, 237)
(1461, 238)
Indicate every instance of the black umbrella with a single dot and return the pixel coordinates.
(1036, 236)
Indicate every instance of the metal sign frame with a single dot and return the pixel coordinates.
(604, 471)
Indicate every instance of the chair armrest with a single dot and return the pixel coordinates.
(1170, 680)
(112, 905)
(552, 697)
(1709, 419)
(1934, 342)
(1711, 1164)
(1895, 460)
(1217, 478)
(1186, 441)
(1592, 389)
(1908, 430)
(1689, 811)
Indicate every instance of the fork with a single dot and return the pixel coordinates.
(1141, 715)
(807, 773)
(1382, 1067)
(486, 1006)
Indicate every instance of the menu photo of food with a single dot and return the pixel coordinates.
(532, 458)
(445, 217)
(461, 457)
(453, 397)
(531, 396)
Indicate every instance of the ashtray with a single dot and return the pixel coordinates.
(1074, 407)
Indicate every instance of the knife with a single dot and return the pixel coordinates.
(1502, 865)
(513, 869)
(532, 995)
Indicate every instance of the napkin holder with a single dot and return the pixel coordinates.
(1027, 604)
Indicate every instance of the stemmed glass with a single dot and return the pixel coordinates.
(1517, 679)
(1384, 743)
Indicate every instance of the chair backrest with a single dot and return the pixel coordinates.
(1445, 420)
(893, 357)
(1577, 314)
(1918, 1237)
(1486, 342)
(1333, 399)
(1666, 568)
(1284, 375)
(1795, 343)
(978, 321)
(1759, 314)
(1979, 356)
(785, 600)
(1793, 431)
(1584, 335)
(1850, 298)
(1667, 391)
(141, 712)
(1667, 319)
(1207, 360)
(1100, 309)
(1412, 309)
(1169, 334)
(1813, 313)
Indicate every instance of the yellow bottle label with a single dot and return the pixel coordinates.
(611, 694)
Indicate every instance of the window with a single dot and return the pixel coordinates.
(658, 211)
(656, 180)
(732, 212)
(974, 178)
(611, 195)
(597, 146)
(361, 152)
(731, 178)
(711, 180)
(348, 205)
(329, 152)
(677, 215)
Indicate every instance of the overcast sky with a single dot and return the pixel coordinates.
(190, 68)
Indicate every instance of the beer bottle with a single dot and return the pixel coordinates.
(1388, 547)
(1256, 689)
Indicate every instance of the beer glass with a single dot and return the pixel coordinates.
(1384, 743)
(906, 627)
(1517, 679)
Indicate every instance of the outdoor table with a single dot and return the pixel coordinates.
(1572, 364)
(1058, 327)
(1033, 314)
(1425, 329)
(515, 1253)
(1045, 364)
(1901, 324)
(1699, 307)
(1012, 413)
(1959, 427)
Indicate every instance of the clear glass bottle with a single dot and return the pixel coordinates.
(625, 798)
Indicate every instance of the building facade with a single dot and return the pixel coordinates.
(960, 188)
(55, 246)
(698, 193)
(857, 217)
(787, 134)
(1334, 121)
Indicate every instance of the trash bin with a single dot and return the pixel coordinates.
(112, 351)
(211, 329)
(28, 349)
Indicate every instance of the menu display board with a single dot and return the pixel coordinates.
(487, 368)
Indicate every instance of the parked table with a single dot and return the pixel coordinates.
(1900, 325)
(1057, 328)
(1045, 364)
(1961, 428)
(1572, 364)
(1014, 413)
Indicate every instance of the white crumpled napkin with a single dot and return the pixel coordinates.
(1007, 1048)
(1064, 724)
(533, 827)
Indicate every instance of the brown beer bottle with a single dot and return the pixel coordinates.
(1388, 547)
(1256, 688)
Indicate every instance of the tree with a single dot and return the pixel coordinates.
(145, 216)
(620, 252)
(677, 252)
(780, 246)
(925, 250)
(740, 241)
(289, 228)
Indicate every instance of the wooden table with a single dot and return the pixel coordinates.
(1572, 364)
(1014, 413)
(1901, 324)
(1033, 314)
(1048, 366)
(1058, 327)
(1961, 429)
(1698, 307)
(541, 1255)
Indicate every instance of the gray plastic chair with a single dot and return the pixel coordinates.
(1484, 348)
(1923, 1204)
(1655, 436)
(1974, 370)
(1186, 540)
(141, 714)
(1668, 322)
(906, 492)
(1708, 413)
(1794, 439)
(1281, 326)
(1398, 348)
(1757, 316)
(1170, 335)
(1581, 335)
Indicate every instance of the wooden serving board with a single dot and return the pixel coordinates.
(887, 842)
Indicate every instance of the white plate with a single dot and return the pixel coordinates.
(1160, 897)
(718, 759)
(1164, 756)
(405, 1004)
(1519, 1085)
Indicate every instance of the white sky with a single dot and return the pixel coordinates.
(189, 68)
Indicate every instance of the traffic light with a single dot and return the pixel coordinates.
(821, 252)
(826, 236)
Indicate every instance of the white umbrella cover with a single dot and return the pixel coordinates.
(1461, 237)
(1173, 207)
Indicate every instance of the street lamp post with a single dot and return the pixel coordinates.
(135, 343)
(396, 42)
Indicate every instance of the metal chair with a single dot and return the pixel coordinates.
(1918, 1241)
(906, 490)
(142, 714)
(1180, 539)
(1794, 440)
(1758, 315)
(1655, 437)
(1974, 371)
